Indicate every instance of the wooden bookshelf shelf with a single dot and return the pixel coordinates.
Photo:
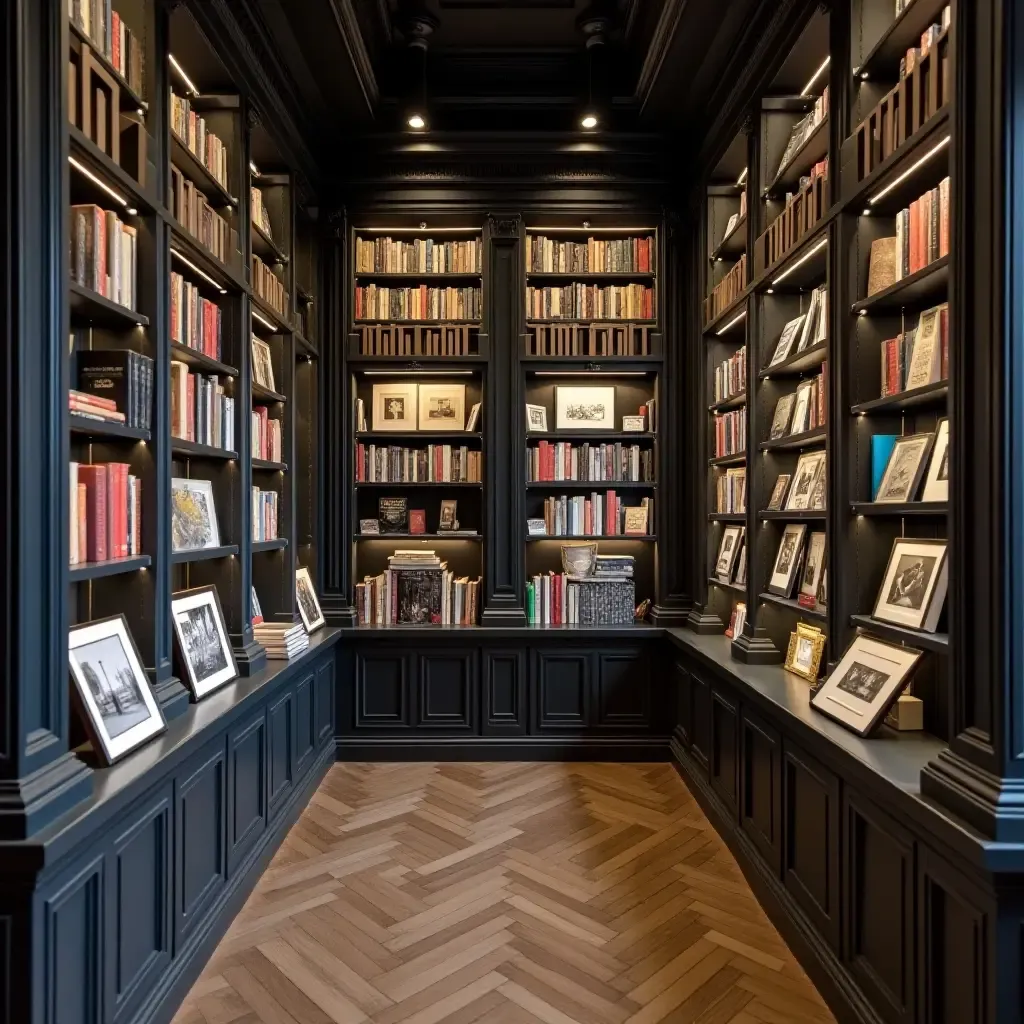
(914, 398)
(727, 517)
(86, 427)
(593, 436)
(264, 246)
(641, 538)
(733, 245)
(732, 402)
(899, 509)
(569, 321)
(189, 165)
(805, 439)
(728, 317)
(793, 515)
(415, 275)
(259, 392)
(203, 554)
(883, 59)
(794, 606)
(591, 485)
(937, 642)
(814, 148)
(432, 436)
(227, 277)
(801, 268)
(475, 537)
(279, 324)
(277, 544)
(195, 450)
(419, 323)
(86, 152)
(86, 571)
(306, 347)
(200, 361)
(418, 483)
(88, 306)
(736, 459)
(736, 588)
(797, 364)
(591, 276)
(918, 291)
(269, 466)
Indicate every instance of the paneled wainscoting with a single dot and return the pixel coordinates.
(422, 892)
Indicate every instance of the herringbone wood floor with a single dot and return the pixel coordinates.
(505, 893)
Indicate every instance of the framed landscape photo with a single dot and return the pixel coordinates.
(584, 408)
(111, 688)
(779, 492)
(905, 468)
(936, 483)
(309, 606)
(787, 559)
(394, 406)
(866, 683)
(727, 552)
(442, 407)
(808, 466)
(203, 642)
(913, 588)
(193, 515)
(536, 419)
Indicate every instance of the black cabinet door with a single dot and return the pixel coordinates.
(623, 696)
(305, 724)
(684, 704)
(700, 743)
(384, 690)
(447, 689)
(247, 786)
(281, 730)
(504, 691)
(761, 787)
(561, 690)
(723, 767)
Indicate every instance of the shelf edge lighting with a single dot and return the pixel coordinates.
(82, 169)
(263, 320)
(909, 171)
(206, 277)
(741, 180)
(181, 71)
(799, 263)
(817, 74)
(731, 324)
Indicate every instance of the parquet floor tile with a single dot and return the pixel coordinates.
(502, 894)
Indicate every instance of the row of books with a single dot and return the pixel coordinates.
(267, 286)
(595, 516)
(267, 439)
(106, 511)
(281, 640)
(558, 599)
(194, 213)
(418, 340)
(727, 291)
(731, 432)
(929, 37)
(420, 256)
(559, 460)
(802, 410)
(594, 256)
(437, 463)
(377, 302)
(804, 128)
(591, 302)
(201, 410)
(919, 356)
(195, 321)
(264, 514)
(417, 588)
(104, 253)
(731, 376)
(731, 491)
(114, 385)
(111, 37)
(258, 212)
(203, 144)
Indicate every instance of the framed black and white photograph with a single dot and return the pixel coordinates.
(803, 655)
(913, 588)
(536, 419)
(203, 643)
(633, 424)
(801, 409)
(309, 606)
(584, 408)
(262, 364)
(111, 688)
(783, 414)
(395, 406)
(810, 578)
(808, 466)
(936, 483)
(867, 681)
(442, 407)
(787, 559)
(818, 488)
(727, 552)
(779, 492)
(786, 339)
(193, 515)
(905, 468)
(536, 528)
(741, 567)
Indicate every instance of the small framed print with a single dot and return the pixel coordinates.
(866, 683)
(309, 606)
(786, 339)
(905, 467)
(111, 688)
(474, 417)
(193, 515)
(808, 466)
(936, 483)
(635, 520)
(741, 567)
(783, 414)
(442, 407)
(732, 537)
(801, 409)
(536, 528)
(447, 520)
(787, 560)
(536, 419)
(262, 364)
(632, 424)
(779, 492)
(814, 565)
(584, 408)
(394, 406)
(203, 642)
(913, 588)
(369, 527)
(803, 656)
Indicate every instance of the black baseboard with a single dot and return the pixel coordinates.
(816, 957)
(186, 967)
(502, 748)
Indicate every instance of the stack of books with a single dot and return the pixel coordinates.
(266, 435)
(118, 376)
(559, 460)
(195, 321)
(417, 588)
(92, 407)
(561, 600)
(281, 640)
(420, 256)
(437, 463)
(268, 287)
(206, 147)
(613, 567)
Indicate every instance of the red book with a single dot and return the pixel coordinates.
(417, 520)
(95, 480)
(83, 522)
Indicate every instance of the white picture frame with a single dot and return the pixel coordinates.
(801, 490)
(787, 560)
(395, 406)
(814, 564)
(306, 599)
(442, 407)
(914, 584)
(590, 407)
(111, 688)
(193, 515)
(904, 470)
(536, 419)
(633, 424)
(865, 684)
(728, 549)
(202, 638)
(936, 481)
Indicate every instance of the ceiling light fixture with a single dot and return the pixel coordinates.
(817, 74)
(909, 171)
(417, 26)
(595, 24)
(181, 72)
(417, 122)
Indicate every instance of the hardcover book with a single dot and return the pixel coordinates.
(393, 514)
(419, 596)
(417, 520)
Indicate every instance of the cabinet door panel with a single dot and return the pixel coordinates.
(624, 689)
(701, 704)
(325, 682)
(684, 704)
(504, 690)
(383, 690)
(723, 768)
(247, 786)
(561, 683)
(447, 689)
(281, 719)
(305, 723)
(761, 787)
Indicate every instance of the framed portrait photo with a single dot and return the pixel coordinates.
(779, 492)
(732, 537)
(262, 364)
(913, 588)
(783, 414)
(442, 407)
(202, 637)
(808, 466)
(866, 683)
(193, 515)
(536, 419)
(584, 408)
(936, 483)
(111, 688)
(394, 406)
(905, 468)
(803, 656)
(787, 559)
(814, 564)
(309, 606)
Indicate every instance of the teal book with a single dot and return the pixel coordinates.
(881, 448)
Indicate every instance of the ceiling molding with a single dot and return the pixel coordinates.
(661, 42)
(355, 46)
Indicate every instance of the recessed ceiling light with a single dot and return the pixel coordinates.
(588, 121)
(416, 122)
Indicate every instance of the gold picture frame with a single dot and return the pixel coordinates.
(806, 647)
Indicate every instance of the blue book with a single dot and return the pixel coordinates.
(881, 448)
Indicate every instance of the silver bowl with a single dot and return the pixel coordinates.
(579, 559)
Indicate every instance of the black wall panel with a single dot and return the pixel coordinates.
(383, 689)
(247, 786)
(324, 701)
(701, 719)
(305, 722)
(761, 787)
(503, 686)
(448, 689)
(723, 767)
(281, 719)
(684, 703)
(561, 689)
(623, 689)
